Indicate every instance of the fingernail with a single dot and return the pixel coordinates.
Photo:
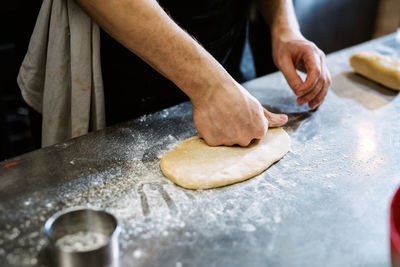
(283, 118)
(315, 106)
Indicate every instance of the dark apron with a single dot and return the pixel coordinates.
(132, 88)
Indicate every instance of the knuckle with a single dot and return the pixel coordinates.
(328, 81)
(203, 134)
(303, 92)
(304, 98)
(309, 44)
(316, 90)
(321, 86)
(244, 142)
(313, 48)
(299, 91)
(211, 139)
(321, 94)
(325, 93)
(259, 133)
(212, 142)
(314, 102)
(321, 97)
(226, 142)
(311, 99)
(308, 98)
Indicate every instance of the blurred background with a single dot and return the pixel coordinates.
(330, 24)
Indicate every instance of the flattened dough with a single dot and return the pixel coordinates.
(195, 165)
(379, 68)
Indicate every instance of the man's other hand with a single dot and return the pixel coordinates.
(291, 52)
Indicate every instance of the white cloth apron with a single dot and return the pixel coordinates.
(60, 76)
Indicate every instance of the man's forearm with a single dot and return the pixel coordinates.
(144, 28)
(280, 16)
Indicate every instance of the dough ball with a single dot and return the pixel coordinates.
(379, 68)
(195, 165)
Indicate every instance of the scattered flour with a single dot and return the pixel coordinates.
(82, 241)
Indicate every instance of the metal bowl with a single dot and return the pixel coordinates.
(83, 237)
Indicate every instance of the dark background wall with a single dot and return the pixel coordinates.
(331, 24)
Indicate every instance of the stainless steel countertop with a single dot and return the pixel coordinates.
(324, 204)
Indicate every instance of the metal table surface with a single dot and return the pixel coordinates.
(324, 204)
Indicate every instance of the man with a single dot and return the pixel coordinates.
(224, 113)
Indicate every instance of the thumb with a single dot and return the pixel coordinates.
(275, 120)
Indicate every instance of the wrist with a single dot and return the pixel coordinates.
(205, 80)
(285, 32)
(283, 37)
(206, 93)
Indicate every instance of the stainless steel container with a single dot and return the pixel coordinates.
(83, 237)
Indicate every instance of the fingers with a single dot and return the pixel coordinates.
(291, 76)
(256, 133)
(317, 94)
(317, 101)
(311, 94)
(215, 140)
(230, 134)
(275, 120)
(312, 64)
(272, 120)
(316, 85)
(244, 142)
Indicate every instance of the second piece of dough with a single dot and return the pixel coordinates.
(379, 68)
(195, 165)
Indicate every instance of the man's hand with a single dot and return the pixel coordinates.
(230, 116)
(291, 52)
